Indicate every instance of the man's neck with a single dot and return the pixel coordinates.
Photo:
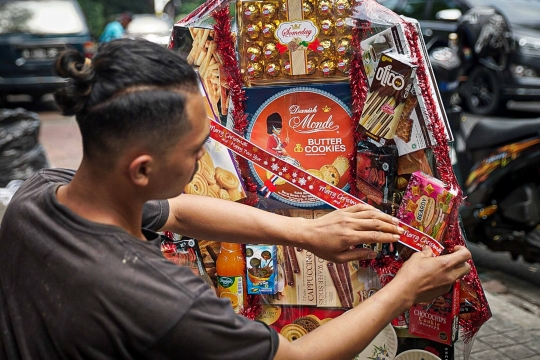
(103, 199)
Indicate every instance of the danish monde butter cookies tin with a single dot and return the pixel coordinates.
(310, 128)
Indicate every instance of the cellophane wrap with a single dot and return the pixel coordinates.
(362, 88)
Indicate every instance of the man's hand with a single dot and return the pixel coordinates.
(335, 235)
(424, 277)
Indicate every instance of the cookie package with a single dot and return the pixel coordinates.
(217, 174)
(427, 205)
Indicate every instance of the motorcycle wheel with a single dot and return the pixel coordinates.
(532, 241)
(482, 92)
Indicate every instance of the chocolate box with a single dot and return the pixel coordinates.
(294, 40)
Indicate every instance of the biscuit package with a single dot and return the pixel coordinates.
(325, 104)
(427, 205)
(217, 174)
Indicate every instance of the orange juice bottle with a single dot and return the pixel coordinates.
(230, 268)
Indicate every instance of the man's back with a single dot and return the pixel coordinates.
(65, 280)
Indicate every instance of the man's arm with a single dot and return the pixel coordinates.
(330, 237)
(422, 278)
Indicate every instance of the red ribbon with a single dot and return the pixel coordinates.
(303, 180)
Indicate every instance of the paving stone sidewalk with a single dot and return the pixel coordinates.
(512, 333)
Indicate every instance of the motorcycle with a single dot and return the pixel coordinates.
(497, 163)
(502, 188)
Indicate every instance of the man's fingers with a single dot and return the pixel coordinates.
(357, 254)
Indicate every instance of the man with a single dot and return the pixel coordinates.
(79, 278)
(115, 29)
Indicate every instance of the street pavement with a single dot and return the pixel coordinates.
(512, 332)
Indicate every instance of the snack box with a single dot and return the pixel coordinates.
(217, 174)
(427, 205)
(308, 127)
(294, 322)
(294, 40)
(437, 320)
(261, 268)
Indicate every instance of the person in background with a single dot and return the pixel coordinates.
(82, 276)
(115, 29)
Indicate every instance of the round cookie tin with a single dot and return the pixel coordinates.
(309, 128)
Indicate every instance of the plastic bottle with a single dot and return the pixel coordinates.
(230, 270)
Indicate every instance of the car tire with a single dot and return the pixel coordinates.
(482, 92)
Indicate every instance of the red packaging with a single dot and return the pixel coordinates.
(438, 320)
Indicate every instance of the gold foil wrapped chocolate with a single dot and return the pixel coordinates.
(268, 10)
(327, 27)
(343, 7)
(270, 51)
(343, 46)
(325, 47)
(268, 30)
(341, 26)
(308, 8)
(254, 53)
(287, 70)
(273, 69)
(343, 65)
(327, 67)
(251, 11)
(253, 31)
(311, 66)
(324, 8)
(254, 70)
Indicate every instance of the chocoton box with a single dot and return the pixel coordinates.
(309, 127)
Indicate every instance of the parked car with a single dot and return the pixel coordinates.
(489, 85)
(32, 33)
(149, 27)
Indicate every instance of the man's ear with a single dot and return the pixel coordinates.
(140, 169)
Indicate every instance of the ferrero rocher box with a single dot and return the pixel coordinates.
(309, 127)
(294, 40)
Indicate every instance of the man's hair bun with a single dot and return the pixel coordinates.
(78, 69)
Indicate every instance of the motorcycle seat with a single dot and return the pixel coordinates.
(488, 133)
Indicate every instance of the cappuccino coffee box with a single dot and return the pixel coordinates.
(308, 127)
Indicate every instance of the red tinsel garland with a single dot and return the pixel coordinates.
(471, 324)
(359, 90)
(225, 47)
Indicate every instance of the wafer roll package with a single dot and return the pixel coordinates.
(387, 97)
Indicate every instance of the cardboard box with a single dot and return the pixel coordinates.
(438, 320)
(261, 268)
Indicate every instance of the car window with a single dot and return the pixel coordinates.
(522, 12)
(40, 17)
(438, 5)
(148, 25)
(414, 9)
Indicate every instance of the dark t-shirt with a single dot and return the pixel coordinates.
(75, 289)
